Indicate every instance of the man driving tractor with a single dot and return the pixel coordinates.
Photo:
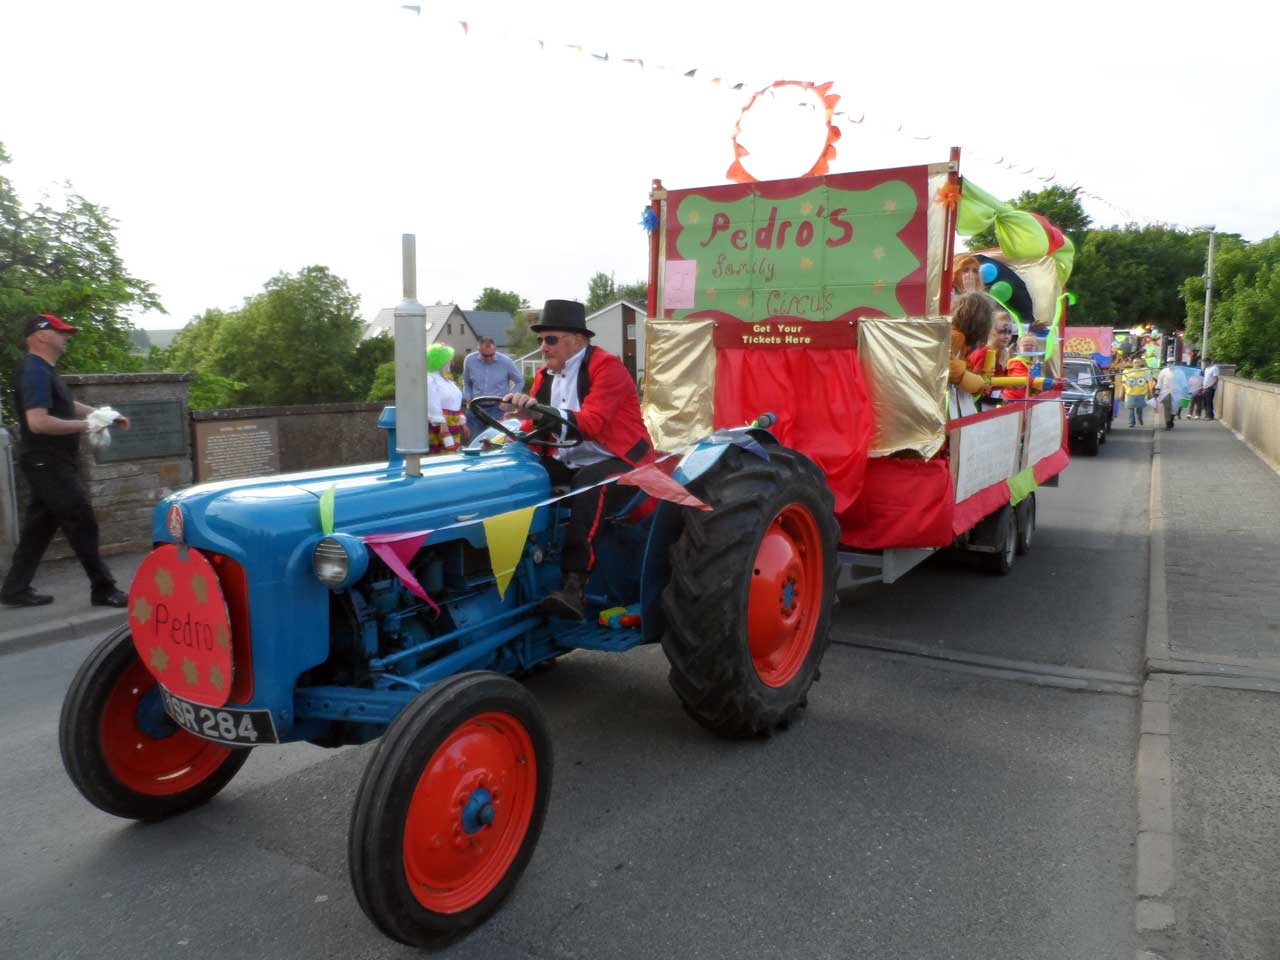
(593, 393)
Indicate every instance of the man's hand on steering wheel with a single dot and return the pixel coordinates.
(544, 419)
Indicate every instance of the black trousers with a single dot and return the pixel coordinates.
(587, 509)
(58, 501)
(1208, 401)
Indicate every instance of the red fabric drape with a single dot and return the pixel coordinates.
(904, 503)
(820, 399)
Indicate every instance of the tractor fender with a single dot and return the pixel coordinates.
(668, 518)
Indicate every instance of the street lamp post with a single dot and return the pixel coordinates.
(1208, 299)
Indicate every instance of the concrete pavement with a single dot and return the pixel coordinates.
(71, 615)
(1209, 758)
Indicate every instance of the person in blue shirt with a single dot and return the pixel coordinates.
(488, 374)
(50, 423)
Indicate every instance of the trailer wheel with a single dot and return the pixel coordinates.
(120, 749)
(1001, 562)
(749, 601)
(450, 808)
(1025, 513)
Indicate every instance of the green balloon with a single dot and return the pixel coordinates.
(1001, 291)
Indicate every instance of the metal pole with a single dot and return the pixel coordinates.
(411, 367)
(1208, 302)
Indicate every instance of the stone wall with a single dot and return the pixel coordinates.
(1252, 409)
(309, 437)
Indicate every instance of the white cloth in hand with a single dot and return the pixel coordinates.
(98, 421)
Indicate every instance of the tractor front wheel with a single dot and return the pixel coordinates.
(450, 808)
(120, 749)
(752, 583)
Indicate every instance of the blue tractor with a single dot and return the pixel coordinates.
(251, 623)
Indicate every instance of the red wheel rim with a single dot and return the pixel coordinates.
(786, 595)
(156, 766)
(451, 861)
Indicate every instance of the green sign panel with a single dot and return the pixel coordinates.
(830, 248)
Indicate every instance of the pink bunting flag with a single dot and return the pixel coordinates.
(396, 550)
(655, 483)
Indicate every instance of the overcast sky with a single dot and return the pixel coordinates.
(234, 140)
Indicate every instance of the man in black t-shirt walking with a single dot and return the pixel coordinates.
(51, 423)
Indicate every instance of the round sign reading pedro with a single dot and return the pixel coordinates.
(180, 625)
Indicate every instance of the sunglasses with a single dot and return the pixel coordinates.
(551, 339)
(1005, 330)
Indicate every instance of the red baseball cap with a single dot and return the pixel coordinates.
(46, 321)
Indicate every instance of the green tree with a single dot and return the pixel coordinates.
(370, 355)
(190, 347)
(637, 293)
(293, 343)
(1059, 205)
(383, 386)
(1134, 275)
(601, 291)
(60, 256)
(501, 301)
(1244, 325)
(521, 340)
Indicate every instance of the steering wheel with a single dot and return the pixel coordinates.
(538, 410)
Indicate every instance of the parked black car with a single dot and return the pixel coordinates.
(1088, 394)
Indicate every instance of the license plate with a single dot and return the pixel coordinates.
(241, 728)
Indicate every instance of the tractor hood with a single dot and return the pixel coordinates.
(267, 521)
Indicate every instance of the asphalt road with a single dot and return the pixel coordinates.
(945, 796)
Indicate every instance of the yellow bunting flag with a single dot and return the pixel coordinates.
(506, 534)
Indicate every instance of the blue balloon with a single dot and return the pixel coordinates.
(988, 273)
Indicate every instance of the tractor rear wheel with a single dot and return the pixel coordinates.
(752, 583)
(120, 749)
(450, 808)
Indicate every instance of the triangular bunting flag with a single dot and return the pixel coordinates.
(506, 534)
(655, 483)
(388, 553)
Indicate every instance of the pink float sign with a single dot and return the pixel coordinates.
(1090, 342)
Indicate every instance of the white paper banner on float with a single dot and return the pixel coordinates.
(988, 454)
(1046, 431)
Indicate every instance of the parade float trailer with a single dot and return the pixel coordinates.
(399, 600)
(825, 300)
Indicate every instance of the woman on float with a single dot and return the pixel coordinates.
(447, 425)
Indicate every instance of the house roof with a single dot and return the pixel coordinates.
(603, 310)
(490, 323)
(438, 314)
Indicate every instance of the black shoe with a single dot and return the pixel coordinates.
(27, 598)
(570, 601)
(114, 598)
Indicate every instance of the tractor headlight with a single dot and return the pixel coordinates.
(339, 560)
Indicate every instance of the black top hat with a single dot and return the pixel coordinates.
(567, 315)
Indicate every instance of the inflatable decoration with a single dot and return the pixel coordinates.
(782, 126)
(1010, 289)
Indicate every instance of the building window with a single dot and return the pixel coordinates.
(448, 328)
(631, 331)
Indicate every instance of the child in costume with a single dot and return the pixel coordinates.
(1022, 364)
(446, 429)
(970, 327)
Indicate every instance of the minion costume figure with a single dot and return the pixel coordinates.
(447, 425)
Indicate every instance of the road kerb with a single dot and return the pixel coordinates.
(1153, 914)
(94, 623)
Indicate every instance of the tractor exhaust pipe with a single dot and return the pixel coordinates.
(411, 366)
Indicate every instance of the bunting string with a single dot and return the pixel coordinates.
(467, 30)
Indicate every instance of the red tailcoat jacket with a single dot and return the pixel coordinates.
(610, 406)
